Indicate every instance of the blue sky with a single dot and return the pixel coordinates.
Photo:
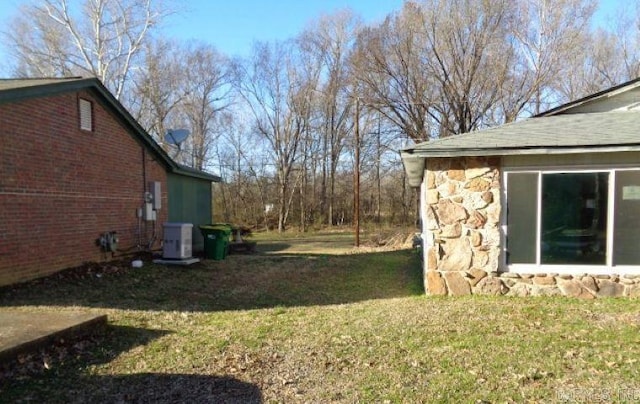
(233, 25)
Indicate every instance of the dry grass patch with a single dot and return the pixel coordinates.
(321, 328)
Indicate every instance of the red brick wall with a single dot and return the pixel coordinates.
(61, 187)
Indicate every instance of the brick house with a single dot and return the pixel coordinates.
(546, 206)
(75, 167)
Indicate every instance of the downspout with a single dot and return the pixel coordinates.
(144, 189)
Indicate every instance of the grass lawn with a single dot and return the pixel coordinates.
(298, 324)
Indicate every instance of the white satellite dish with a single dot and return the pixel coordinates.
(176, 136)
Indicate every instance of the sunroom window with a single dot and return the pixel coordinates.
(566, 219)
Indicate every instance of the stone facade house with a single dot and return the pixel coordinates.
(546, 206)
(81, 181)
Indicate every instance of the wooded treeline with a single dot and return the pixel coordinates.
(279, 124)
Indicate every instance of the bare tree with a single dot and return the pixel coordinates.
(547, 36)
(278, 97)
(610, 56)
(104, 39)
(330, 40)
(464, 52)
(160, 88)
(207, 81)
(389, 64)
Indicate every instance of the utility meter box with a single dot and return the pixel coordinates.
(178, 241)
(156, 194)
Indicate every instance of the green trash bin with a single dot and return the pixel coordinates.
(216, 241)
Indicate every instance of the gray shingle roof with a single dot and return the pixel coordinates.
(557, 133)
(9, 84)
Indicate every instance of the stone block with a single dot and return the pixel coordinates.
(490, 286)
(608, 288)
(476, 220)
(476, 276)
(493, 214)
(431, 180)
(475, 237)
(432, 196)
(573, 288)
(456, 174)
(632, 291)
(626, 281)
(449, 212)
(474, 172)
(456, 255)
(457, 284)
(435, 284)
(544, 280)
(480, 259)
(431, 221)
(451, 231)
(491, 237)
(520, 290)
(432, 258)
(452, 189)
(546, 291)
(474, 200)
(590, 283)
(478, 185)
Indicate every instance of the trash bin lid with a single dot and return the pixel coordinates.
(216, 227)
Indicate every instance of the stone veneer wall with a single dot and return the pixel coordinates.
(463, 240)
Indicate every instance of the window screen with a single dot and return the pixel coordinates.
(626, 234)
(522, 210)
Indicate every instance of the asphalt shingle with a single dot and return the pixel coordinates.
(559, 131)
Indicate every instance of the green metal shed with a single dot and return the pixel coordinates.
(190, 200)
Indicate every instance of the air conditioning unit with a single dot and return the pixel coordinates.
(178, 241)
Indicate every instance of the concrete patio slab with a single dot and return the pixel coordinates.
(23, 332)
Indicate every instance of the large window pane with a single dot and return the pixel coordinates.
(574, 218)
(522, 202)
(626, 233)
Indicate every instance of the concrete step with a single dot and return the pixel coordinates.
(24, 332)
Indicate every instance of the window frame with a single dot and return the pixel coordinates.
(572, 269)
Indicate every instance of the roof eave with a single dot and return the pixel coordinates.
(41, 90)
(609, 92)
(196, 174)
(414, 160)
(507, 151)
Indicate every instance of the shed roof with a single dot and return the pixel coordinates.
(13, 90)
